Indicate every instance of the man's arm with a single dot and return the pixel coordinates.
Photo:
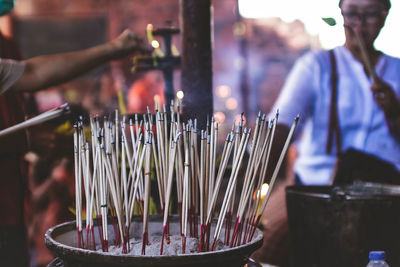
(45, 71)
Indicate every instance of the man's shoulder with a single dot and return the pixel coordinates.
(392, 59)
(315, 58)
(8, 63)
(10, 72)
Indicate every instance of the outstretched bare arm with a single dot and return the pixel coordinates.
(45, 71)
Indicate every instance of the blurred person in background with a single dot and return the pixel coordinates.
(349, 116)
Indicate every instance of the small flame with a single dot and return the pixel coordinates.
(264, 189)
(155, 44)
(180, 94)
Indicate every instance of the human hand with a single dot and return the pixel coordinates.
(128, 42)
(385, 98)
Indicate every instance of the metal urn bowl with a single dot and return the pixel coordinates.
(61, 240)
(338, 225)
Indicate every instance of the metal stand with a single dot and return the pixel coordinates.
(166, 64)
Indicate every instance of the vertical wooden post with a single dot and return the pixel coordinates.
(196, 59)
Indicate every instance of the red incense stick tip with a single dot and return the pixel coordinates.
(144, 241)
(201, 242)
(162, 240)
(234, 232)
(183, 244)
(125, 244)
(124, 248)
(105, 245)
(214, 245)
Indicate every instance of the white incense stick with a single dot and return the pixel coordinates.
(46, 116)
(121, 174)
(278, 165)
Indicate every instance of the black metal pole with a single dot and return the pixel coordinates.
(196, 59)
(168, 72)
(169, 85)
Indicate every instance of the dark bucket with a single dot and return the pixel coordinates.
(338, 226)
(61, 241)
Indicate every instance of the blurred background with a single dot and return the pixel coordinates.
(254, 45)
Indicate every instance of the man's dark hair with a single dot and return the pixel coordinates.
(385, 3)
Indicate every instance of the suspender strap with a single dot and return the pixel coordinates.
(334, 128)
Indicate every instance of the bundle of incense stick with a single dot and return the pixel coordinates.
(113, 174)
(46, 116)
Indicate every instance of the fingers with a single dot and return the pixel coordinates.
(381, 90)
(131, 42)
(384, 97)
(382, 100)
(379, 95)
(379, 85)
(144, 47)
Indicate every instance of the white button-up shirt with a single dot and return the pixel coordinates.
(363, 126)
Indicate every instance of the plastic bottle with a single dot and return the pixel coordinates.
(377, 259)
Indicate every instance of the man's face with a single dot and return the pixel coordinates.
(6, 6)
(365, 18)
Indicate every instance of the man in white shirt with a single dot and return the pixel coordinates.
(367, 108)
(362, 113)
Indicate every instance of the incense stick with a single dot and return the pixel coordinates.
(147, 174)
(46, 116)
(121, 176)
(280, 160)
(364, 53)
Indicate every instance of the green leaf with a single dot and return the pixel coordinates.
(329, 21)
